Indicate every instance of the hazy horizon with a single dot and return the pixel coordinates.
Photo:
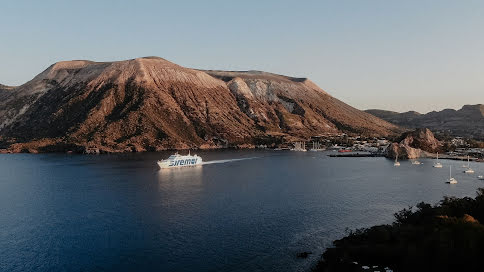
(397, 56)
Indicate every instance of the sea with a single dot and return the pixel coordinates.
(242, 210)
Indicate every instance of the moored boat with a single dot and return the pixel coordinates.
(317, 147)
(299, 146)
(469, 170)
(396, 163)
(451, 179)
(437, 164)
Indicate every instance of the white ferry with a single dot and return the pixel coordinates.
(178, 160)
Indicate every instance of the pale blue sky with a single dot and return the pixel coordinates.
(397, 55)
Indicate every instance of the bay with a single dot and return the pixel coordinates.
(247, 210)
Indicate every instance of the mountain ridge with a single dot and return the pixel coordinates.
(467, 121)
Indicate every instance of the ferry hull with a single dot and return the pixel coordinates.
(184, 162)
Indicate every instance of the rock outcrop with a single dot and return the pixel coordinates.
(403, 151)
(414, 144)
(466, 122)
(153, 104)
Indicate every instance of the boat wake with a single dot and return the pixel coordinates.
(226, 161)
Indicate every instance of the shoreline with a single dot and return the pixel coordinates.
(442, 157)
(431, 232)
(356, 154)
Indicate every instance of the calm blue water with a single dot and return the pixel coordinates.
(120, 213)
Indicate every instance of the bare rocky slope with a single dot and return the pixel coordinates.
(5, 87)
(414, 144)
(466, 122)
(153, 104)
(4, 91)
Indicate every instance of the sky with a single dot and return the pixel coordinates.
(394, 55)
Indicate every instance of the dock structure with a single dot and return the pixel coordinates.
(356, 155)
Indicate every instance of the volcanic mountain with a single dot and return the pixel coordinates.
(466, 122)
(153, 104)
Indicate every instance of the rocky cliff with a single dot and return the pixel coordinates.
(153, 104)
(466, 122)
(414, 144)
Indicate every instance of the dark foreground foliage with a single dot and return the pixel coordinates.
(444, 237)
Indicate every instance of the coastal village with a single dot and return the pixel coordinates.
(456, 148)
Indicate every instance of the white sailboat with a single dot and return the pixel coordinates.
(437, 164)
(316, 147)
(299, 146)
(451, 179)
(397, 163)
(469, 169)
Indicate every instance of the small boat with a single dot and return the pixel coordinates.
(415, 162)
(480, 177)
(469, 169)
(451, 179)
(176, 160)
(397, 163)
(437, 164)
(344, 150)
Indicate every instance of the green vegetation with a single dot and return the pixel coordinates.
(444, 237)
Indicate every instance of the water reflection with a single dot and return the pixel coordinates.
(182, 176)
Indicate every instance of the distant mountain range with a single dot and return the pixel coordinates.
(153, 104)
(466, 122)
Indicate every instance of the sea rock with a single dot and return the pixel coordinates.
(422, 139)
(403, 151)
(414, 144)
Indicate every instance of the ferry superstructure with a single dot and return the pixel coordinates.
(177, 160)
